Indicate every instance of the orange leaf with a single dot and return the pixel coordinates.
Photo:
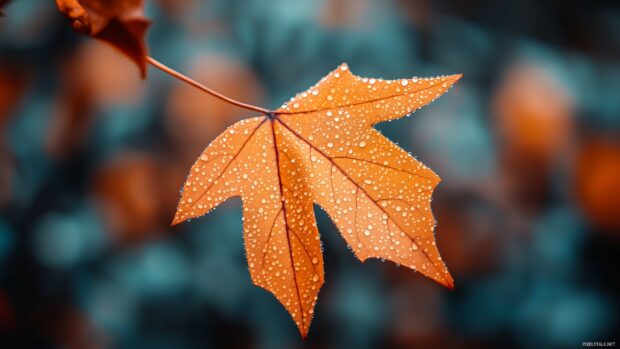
(120, 23)
(321, 148)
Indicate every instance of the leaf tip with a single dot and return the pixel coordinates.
(447, 281)
(454, 78)
(176, 220)
(304, 329)
(450, 283)
(142, 68)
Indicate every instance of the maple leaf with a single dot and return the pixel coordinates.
(321, 148)
(120, 23)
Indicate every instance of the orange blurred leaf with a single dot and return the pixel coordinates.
(321, 148)
(596, 178)
(120, 23)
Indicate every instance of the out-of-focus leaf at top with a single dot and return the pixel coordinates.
(120, 23)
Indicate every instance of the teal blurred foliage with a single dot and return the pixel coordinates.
(92, 159)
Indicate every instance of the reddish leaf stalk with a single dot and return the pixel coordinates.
(152, 61)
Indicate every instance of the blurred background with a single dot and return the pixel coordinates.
(92, 159)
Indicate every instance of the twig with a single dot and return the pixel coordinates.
(202, 87)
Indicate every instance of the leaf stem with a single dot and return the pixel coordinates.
(152, 61)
